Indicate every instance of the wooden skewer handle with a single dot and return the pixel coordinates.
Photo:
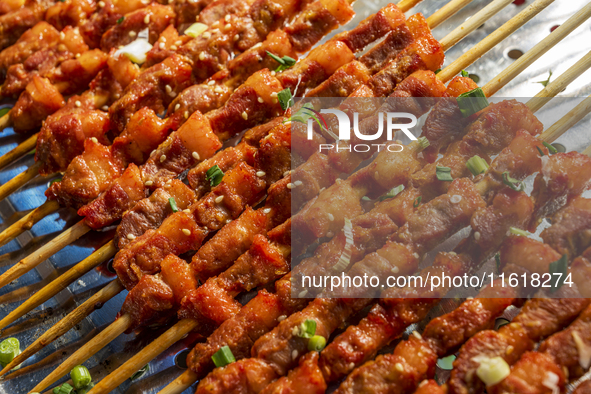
(492, 39)
(102, 254)
(28, 221)
(19, 181)
(181, 383)
(567, 121)
(64, 325)
(117, 328)
(172, 335)
(5, 121)
(538, 50)
(471, 24)
(406, 5)
(44, 252)
(22, 149)
(445, 12)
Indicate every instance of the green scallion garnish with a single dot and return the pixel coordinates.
(63, 389)
(214, 175)
(85, 390)
(471, 102)
(477, 165)
(173, 205)
(9, 349)
(223, 357)
(518, 231)
(120, 20)
(512, 183)
(558, 267)
(285, 98)
(392, 193)
(551, 149)
(417, 201)
(4, 111)
(307, 329)
(285, 62)
(140, 372)
(80, 376)
(540, 150)
(446, 363)
(465, 73)
(443, 173)
(316, 343)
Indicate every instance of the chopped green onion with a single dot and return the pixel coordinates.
(558, 267)
(120, 20)
(492, 371)
(465, 73)
(539, 150)
(417, 201)
(285, 98)
(477, 165)
(446, 363)
(392, 193)
(85, 390)
(551, 149)
(423, 143)
(511, 182)
(498, 261)
(4, 111)
(196, 29)
(140, 372)
(500, 322)
(307, 329)
(80, 376)
(214, 175)
(9, 349)
(547, 81)
(365, 198)
(223, 357)
(173, 205)
(54, 181)
(443, 173)
(437, 71)
(316, 343)
(285, 62)
(518, 231)
(137, 50)
(63, 389)
(472, 102)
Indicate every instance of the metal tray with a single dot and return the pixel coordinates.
(168, 365)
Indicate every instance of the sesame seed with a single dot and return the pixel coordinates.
(298, 183)
(176, 107)
(331, 217)
(395, 270)
(93, 139)
(215, 31)
(455, 199)
(62, 35)
(168, 89)
(187, 232)
(218, 89)
(273, 73)
(236, 37)
(266, 210)
(148, 183)
(202, 56)
(286, 173)
(351, 365)
(274, 94)
(244, 115)
(260, 100)
(105, 108)
(476, 235)
(417, 335)
(187, 210)
(290, 185)
(215, 24)
(101, 4)
(261, 174)
(178, 42)
(219, 199)
(227, 18)
(294, 331)
(206, 35)
(509, 349)
(132, 33)
(399, 367)
(195, 155)
(130, 236)
(162, 158)
(227, 27)
(281, 318)
(294, 354)
(186, 114)
(173, 48)
(211, 83)
(145, 2)
(172, 94)
(162, 45)
(117, 95)
(330, 234)
(260, 44)
(147, 19)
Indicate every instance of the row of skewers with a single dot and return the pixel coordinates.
(152, 228)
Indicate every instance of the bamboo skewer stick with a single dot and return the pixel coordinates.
(566, 122)
(18, 181)
(91, 347)
(447, 11)
(102, 254)
(5, 121)
(20, 150)
(43, 253)
(64, 325)
(493, 39)
(181, 383)
(26, 222)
